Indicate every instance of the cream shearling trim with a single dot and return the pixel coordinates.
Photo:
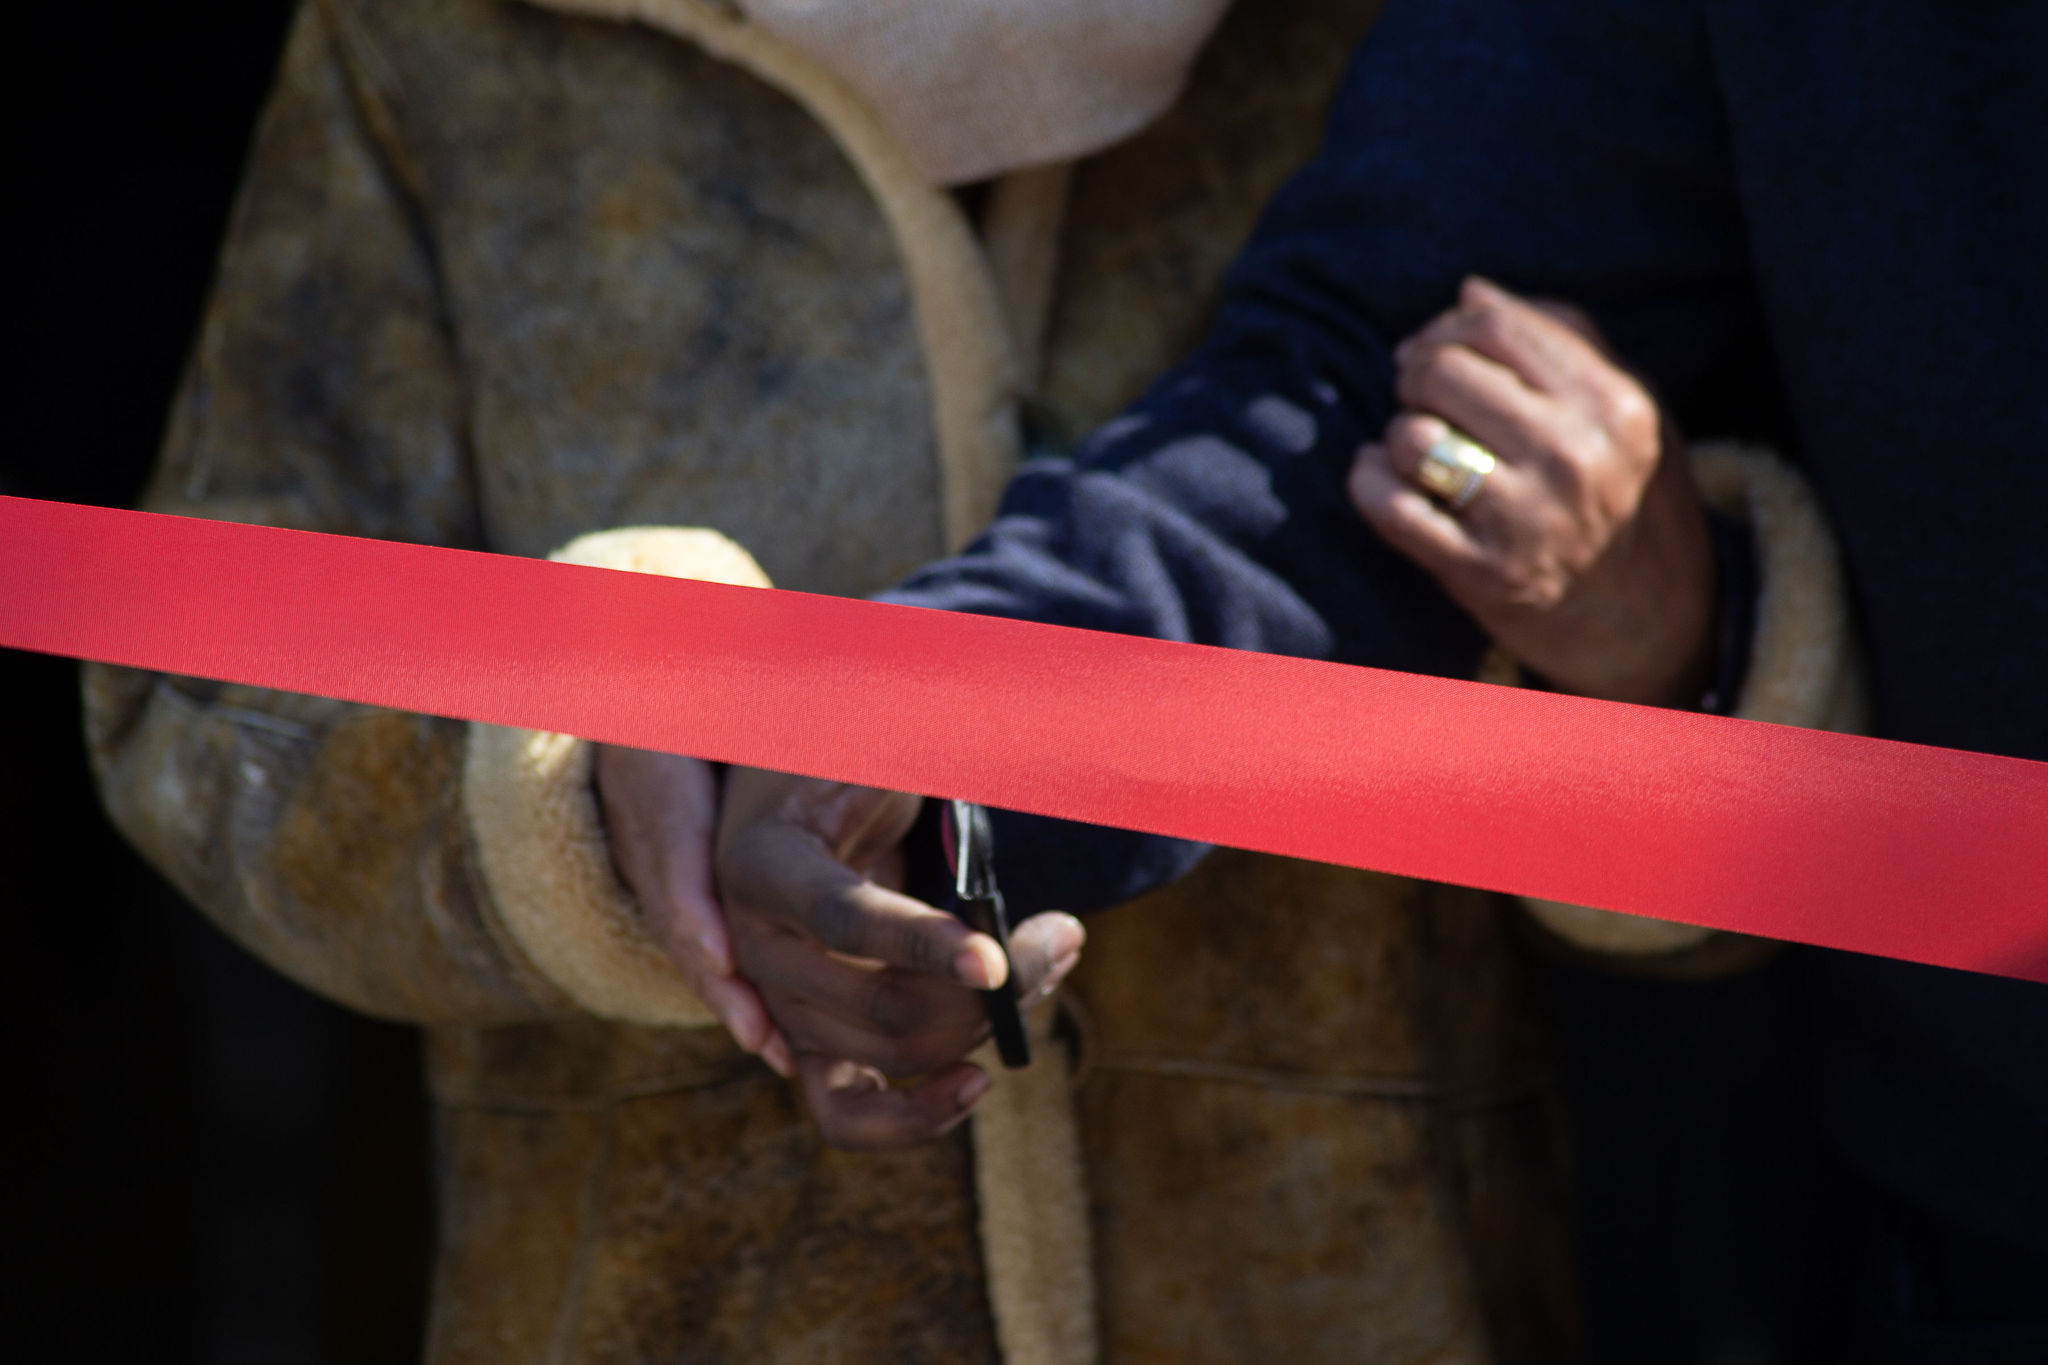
(1804, 668)
(540, 840)
(1030, 1187)
(1035, 1238)
(968, 349)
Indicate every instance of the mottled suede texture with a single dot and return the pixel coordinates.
(498, 278)
(1319, 1124)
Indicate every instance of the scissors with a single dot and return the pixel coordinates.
(970, 847)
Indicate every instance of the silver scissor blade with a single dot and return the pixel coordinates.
(962, 813)
(973, 852)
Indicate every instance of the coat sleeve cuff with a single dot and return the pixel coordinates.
(1804, 669)
(539, 836)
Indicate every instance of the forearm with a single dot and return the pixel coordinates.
(1213, 512)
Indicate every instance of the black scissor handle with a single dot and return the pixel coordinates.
(970, 848)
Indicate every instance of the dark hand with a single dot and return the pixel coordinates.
(865, 982)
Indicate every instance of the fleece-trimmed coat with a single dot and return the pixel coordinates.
(513, 276)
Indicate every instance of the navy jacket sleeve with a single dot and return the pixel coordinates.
(1470, 136)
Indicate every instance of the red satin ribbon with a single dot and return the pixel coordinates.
(1933, 855)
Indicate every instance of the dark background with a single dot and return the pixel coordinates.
(202, 1161)
(205, 1163)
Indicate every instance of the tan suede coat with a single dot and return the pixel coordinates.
(501, 276)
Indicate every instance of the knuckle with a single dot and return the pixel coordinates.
(918, 947)
(1435, 375)
(835, 922)
(1490, 326)
(1633, 417)
(1534, 588)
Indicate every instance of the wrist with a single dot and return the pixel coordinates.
(1666, 649)
(1662, 651)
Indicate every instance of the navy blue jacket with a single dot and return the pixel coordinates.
(1822, 224)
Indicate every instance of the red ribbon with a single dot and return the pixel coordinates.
(1932, 855)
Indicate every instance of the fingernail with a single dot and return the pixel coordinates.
(730, 1020)
(851, 1078)
(776, 1054)
(1067, 937)
(981, 965)
(971, 1089)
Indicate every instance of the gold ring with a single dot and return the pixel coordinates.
(1453, 468)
